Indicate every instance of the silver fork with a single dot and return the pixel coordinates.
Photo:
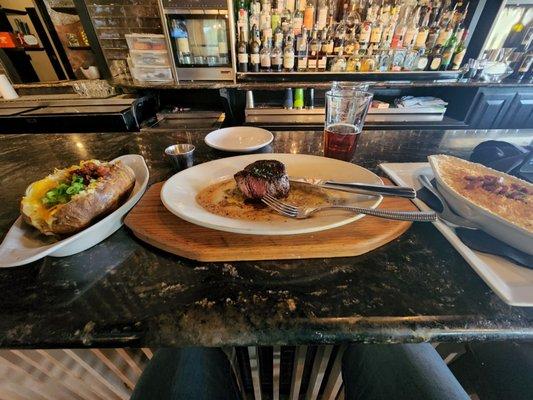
(292, 211)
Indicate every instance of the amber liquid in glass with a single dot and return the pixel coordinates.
(340, 141)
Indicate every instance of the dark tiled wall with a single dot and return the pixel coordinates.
(112, 19)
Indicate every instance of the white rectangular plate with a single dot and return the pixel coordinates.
(23, 244)
(511, 282)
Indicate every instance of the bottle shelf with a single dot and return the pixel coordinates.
(355, 76)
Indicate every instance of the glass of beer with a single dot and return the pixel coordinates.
(345, 116)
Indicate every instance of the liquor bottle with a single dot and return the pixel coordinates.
(264, 56)
(181, 36)
(459, 53)
(368, 62)
(275, 20)
(353, 64)
(255, 36)
(338, 41)
(447, 52)
(338, 64)
(297, 18)
(242, 18)
(278, 36)
(288, 55)
(312, 53)
(301, 51)
(286, 20)
(422, 60)
(384, 60)
(255, 14)
(388, 34)
(351, 45)
(321, 14)
(289, 5)
(376, 32)
(326, 50)
(265, 20)
(353, 19)
(444, 35)
(412, 30)
(255, 7)
(434, 29)
(385, 13)
(364, 34)
(411, 58)
(461, 22)
(435, 58)
(423, 31)
(242, 53)
(309, 15)
(255, 60)
(276, 58)
(399, 34)
(445, 32)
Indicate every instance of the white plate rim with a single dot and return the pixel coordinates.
(210, 143)
(49, 249)
(252, 230)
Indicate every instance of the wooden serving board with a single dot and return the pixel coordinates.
(151, 222)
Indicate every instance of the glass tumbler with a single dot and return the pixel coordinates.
(345, 116)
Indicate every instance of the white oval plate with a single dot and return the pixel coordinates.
(239, 138)
(23, 244)
(179, 193)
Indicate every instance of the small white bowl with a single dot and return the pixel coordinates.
(243, 139)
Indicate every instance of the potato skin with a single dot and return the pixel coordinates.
(106, 197)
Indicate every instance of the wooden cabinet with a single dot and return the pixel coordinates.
(506, 108)
(520, 112)
(489, 107)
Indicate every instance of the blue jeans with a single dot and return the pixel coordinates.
(410, 371)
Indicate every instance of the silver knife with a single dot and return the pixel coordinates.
(360, 188)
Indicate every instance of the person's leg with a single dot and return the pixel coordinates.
(402, 371)
(187, 373)
(506, 369)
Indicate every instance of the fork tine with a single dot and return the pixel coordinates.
(281, 203)
(278, 209)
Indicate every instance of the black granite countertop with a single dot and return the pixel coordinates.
(322, 84)
(125, 293)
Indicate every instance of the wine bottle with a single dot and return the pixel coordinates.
(242, 53)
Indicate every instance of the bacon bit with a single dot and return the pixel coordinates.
(90, 171)
(494, 184)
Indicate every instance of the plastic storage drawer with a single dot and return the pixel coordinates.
(149, 58)
(151, 74)
(139, 41)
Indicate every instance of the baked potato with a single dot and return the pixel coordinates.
(71, 199)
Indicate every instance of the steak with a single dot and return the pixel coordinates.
(263, 177)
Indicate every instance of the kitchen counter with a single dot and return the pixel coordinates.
(123, 292)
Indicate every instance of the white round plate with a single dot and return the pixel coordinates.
(239, 138)
(179, 193)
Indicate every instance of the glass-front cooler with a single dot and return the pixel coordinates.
(199, 34)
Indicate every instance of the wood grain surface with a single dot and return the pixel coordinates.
(151, 222)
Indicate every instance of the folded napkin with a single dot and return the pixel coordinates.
(411, 101)
(477, 239)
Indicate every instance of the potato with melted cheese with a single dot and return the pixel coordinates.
(70, 199)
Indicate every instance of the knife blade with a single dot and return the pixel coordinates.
(356, 187)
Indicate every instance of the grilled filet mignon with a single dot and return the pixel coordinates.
(263, 177)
